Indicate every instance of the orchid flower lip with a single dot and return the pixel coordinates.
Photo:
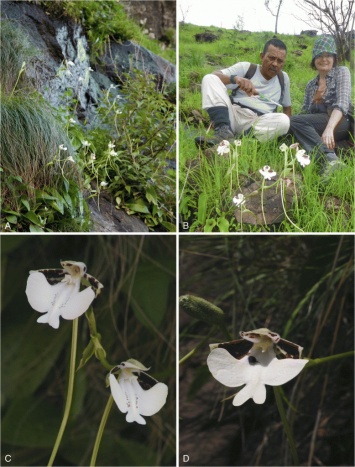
(136, 394)
(252, 362)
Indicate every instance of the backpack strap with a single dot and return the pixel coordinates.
(251, 72)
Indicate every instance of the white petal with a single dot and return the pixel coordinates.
(280, 371)
(118, 395)
(255, 391)
(123, 393)
(77, 304)
(40, 293)
(259, 394)
(227, 369)
(150, 401)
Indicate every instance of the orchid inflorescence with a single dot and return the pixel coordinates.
(56, 294)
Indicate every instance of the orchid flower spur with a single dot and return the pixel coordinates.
(267, 172)
(223, 147)
(251, 361)
(56, 292)
(135, 392)
(303, 158)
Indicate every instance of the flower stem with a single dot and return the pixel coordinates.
(69, 394)
(286, 426)
(193, 351)
(100, 431)
(319, 361)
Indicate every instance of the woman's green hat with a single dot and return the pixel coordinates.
(324, 44)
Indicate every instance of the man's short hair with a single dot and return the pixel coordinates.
(276, 43)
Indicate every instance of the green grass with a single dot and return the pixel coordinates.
(207, 185)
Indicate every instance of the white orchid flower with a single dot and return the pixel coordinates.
(252, 362)
(56, 292)
(238, 142)
(294, 146)
(86, 143)
(223, 147)
(267, 172)
(283, 147)
(92, 156)
(135, 392)
(239, 200)
(113, 153)
(303, 158)
(111, 145)
(63, 148)
(70, 159)
(103, 183)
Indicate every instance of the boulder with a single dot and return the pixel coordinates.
(206, 37)
(264, 204)
(309, 32)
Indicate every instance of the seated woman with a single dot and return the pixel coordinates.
(323, 119)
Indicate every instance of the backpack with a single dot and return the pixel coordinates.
(251, 72)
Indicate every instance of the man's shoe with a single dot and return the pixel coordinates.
(223, 132)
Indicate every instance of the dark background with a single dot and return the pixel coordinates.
(304, 282)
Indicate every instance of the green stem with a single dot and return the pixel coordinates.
(286, 426)
(319, 361)
(101, 431)
(200, 344)
(69, 394)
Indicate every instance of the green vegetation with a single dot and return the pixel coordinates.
(207, 185)
(40, 183)
(107, 20)
(49, 160)
(129, 150)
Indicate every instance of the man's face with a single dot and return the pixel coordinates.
(272, 62)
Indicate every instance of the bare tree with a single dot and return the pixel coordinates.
(268, 7)
(184, 12)
(333, 17)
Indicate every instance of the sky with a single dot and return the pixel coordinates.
(224, 14)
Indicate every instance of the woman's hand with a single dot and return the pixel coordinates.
(328, 133)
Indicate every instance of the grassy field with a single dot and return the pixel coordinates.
(208, 185)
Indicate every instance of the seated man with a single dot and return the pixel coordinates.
(254, 101)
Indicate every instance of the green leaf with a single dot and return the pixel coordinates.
(202, 208)
(32, 217)
(151, 195)
(30, 422)
(58, 205)
(12, 219)
(138, 206)
(26, 204)
(35, 228)
(210, 225)
(151, 289)
(169, 226)
(223, 224)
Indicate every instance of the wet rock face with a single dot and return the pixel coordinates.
(63, 63)
(155, 16)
